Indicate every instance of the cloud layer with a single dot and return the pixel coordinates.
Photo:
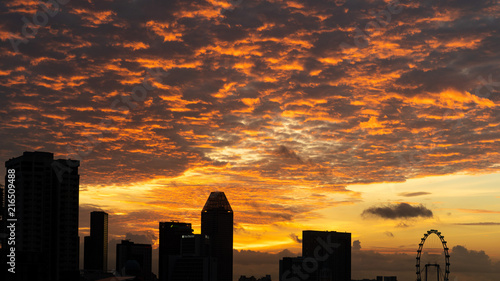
(398, 211)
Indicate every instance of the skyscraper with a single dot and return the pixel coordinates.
(217, 224)
(46, 210)
(96, 245)
(195, 262)
(134, 260)
(170, 245)
(332, 251)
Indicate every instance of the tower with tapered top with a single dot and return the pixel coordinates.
(217, 223)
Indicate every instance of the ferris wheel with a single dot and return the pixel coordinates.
(433, 259)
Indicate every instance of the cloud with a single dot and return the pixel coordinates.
(356, 245)
(402, 225)
(473, 261)
(398, 211)
(466, 265)
(256, 263)
(295, 238)
(413, 194)
(148, 238)
(479, 211)
(286, 153)
(247, 83)
(479, 223)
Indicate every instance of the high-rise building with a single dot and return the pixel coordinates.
(96, 245)
(331, 250)
(217, 224)
(170, 245)
(195, 262)
(46, 209)
(134, 260)
(195, 245)
(3, 238)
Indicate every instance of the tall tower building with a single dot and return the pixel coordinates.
(334, 248)
(217, 224)
(96, 245)
(170, 246)
(46, 198)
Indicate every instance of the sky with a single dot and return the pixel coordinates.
(372, 117)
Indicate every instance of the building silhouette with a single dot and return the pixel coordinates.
(47, 242)
(134, 260)
(337, 265)
(326, 255)
(381, 278)
(3, 238)
(170, 246)
(96, 245)
(195, 262)
(288, 266)
(217, 224)
(387, 278)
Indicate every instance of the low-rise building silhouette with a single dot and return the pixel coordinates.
(326, 255)
(134, 260)
(195, 261)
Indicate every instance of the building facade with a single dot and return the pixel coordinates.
(46, 209)
(331, 250)
(195, 262)
(170, 246)
(96, 245)
(292, 268)
(134, 260)
(217, 224)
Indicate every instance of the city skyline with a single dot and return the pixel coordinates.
(375, 117)
(41, 168)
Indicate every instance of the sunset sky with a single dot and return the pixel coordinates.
(376, 118)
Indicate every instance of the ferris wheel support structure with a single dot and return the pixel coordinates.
(446, 255)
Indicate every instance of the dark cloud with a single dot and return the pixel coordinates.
(295, 238)
(263, 74)
(286, 153)
(356, 245)
(403, 225)
(469, 261)
(148, 238)
(398, 211)
(479, 223)
(256, 263)
(413, 194)
(389, 234)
